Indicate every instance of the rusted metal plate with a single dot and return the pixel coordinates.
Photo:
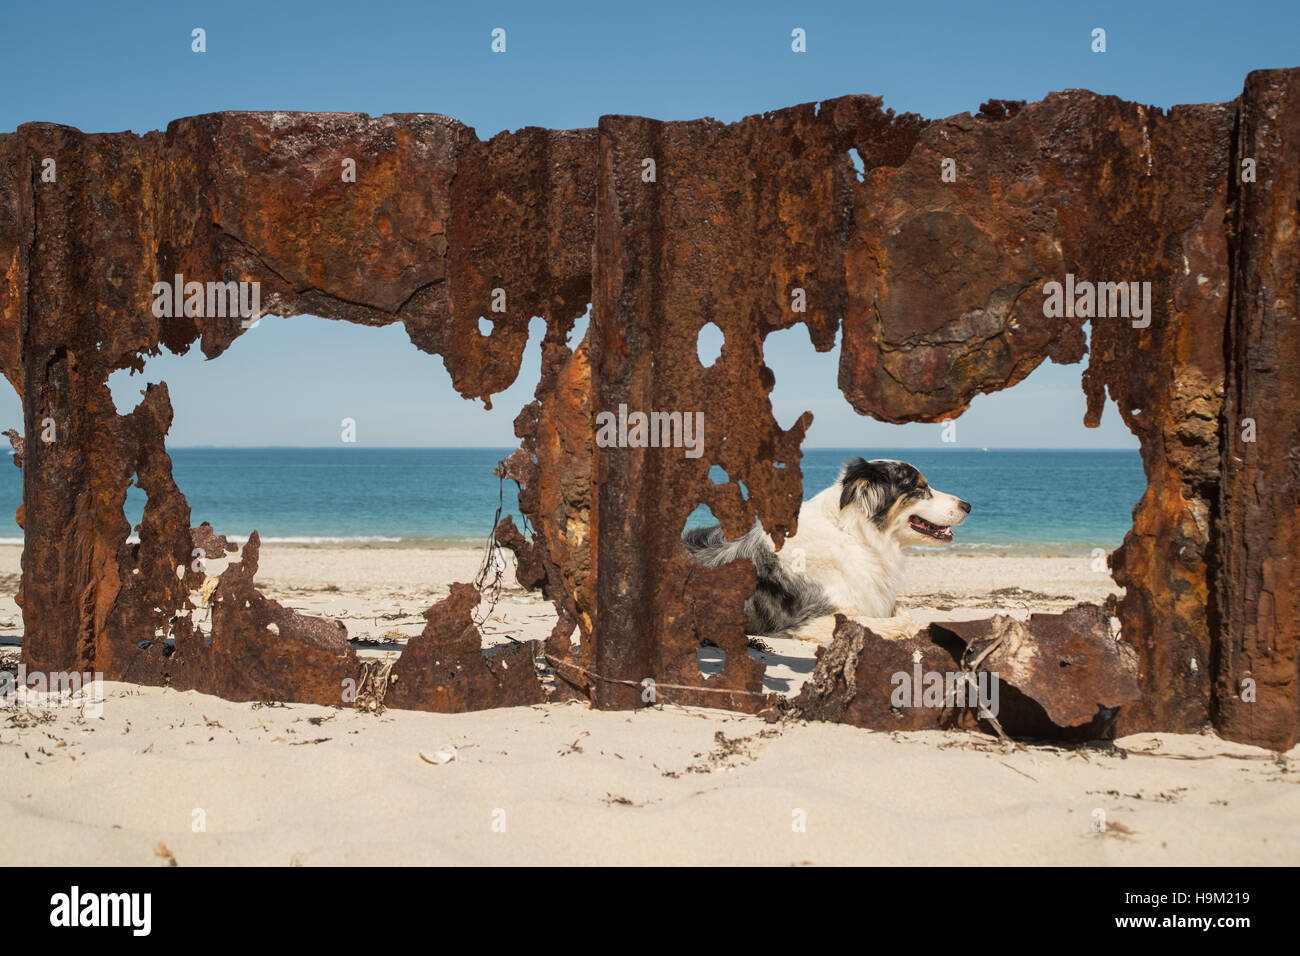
(250, 647)
(443, 668)
(756, 226)
(856, 679)
(1059, 676)
(1256, 662)
(743, 226)
(946, 301)
(256, 198)
(1067, 665)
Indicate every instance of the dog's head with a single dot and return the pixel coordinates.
(899, 502)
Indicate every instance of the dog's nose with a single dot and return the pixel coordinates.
(963, 505)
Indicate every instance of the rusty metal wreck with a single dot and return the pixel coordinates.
(934, 285)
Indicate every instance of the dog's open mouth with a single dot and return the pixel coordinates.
(940, 532)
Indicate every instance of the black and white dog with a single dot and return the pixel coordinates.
(847, 556)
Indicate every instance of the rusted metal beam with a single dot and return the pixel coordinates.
(1255, 660)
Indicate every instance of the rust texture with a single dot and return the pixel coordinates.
(435, 219)
(936, 283)
(1257, 654)
(947, 281)
(1058, 675)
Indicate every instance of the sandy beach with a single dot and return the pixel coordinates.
(165, 775)
(154, 775)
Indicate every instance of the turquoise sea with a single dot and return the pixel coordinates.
(1057, 502)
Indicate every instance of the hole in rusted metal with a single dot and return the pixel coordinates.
(859, 167)
(578, 333)
(708, 344)
(711, 659)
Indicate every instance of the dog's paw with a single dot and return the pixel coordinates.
(897, 628)
(825, 638)
(820, 631)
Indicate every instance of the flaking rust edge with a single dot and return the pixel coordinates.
(738, 219)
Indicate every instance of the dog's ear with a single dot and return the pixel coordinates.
(867, 482)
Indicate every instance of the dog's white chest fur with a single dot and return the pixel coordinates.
(860, 568)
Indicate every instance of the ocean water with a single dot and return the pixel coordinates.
(1053, 502)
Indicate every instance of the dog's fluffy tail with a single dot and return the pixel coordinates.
(782, 599)
(709, 545)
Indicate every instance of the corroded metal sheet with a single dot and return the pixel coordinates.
(947, 281)
(743, 226)
(1068, 665)
(431, 217)
(1256, 657)
(443, 667)
(933, 257)
(1052, 676)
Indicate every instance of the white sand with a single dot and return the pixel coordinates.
(317, 785)
(575, 786)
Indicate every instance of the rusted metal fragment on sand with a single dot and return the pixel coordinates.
(1054, 676)
(444, 669)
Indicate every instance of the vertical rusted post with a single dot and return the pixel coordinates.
(625, 310)
(63, 560)
(1257, 673)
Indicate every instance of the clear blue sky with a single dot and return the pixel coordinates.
(108, 67)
